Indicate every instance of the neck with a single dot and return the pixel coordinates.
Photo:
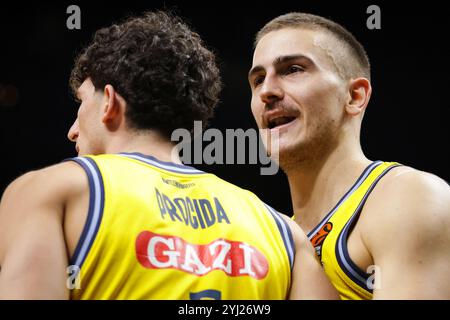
(317, 186)
(146, 142)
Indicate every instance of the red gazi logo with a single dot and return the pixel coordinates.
(235, 258)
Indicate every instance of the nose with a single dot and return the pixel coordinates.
(271, 91)
(73, 133)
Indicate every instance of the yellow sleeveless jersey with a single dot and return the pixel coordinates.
(329, 237)
(158, 230)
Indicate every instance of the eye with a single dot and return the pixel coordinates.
(294, 69)
(258, 80)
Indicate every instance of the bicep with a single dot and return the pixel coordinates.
(414, 267)
(409, 245)
(32, 248)
(415, 278)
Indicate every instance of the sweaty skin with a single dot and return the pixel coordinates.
(404, 226)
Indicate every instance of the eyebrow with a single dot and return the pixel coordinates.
(279, 61)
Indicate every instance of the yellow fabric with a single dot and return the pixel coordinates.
(152, 243)
(330, 231)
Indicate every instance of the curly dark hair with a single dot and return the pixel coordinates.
(159, 66)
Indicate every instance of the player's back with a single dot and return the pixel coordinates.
(157, 230)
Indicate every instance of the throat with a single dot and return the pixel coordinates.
(314, 196)
(309, 217)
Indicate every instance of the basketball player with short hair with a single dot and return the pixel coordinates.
(310, 83)
(126, 221)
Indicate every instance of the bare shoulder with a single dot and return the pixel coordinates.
(58, 178)
(50, 187)
(300, 238)
(36, 198)
(409, 187)
(407, 179)
(407, 203)
(295, 228)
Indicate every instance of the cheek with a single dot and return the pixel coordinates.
(85, 120)
(82, 110)
(81, 120)
(323, 101)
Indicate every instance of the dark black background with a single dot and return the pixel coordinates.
(406, 119)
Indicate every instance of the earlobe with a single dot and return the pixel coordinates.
(359, 95)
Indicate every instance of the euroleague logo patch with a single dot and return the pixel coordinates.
(319, 238)
(154, 251)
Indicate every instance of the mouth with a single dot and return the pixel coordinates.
(281, 121)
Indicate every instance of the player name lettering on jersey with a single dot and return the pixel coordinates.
(193, 212)
(154, 251)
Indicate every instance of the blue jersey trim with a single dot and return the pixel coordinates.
(342, 255)
(169, 166)
(286, 234)
(95, 211)
(355, 186)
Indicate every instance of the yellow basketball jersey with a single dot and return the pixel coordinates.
(158, 230)
(329, 237)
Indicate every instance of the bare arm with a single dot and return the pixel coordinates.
(33, 255)
(410, 240)
(309, 281)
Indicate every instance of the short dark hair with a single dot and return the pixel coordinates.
(159, 66)
(309, 21)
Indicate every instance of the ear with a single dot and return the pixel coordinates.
(112, 107)
(359, 95)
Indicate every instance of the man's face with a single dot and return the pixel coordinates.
(297, 92)
(86, 130)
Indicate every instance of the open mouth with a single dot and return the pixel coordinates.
(280, 121)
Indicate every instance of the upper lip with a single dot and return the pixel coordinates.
(271, 115)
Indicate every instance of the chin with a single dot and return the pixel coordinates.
(287, 145)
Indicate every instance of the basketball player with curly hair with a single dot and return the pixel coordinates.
(124, 219)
